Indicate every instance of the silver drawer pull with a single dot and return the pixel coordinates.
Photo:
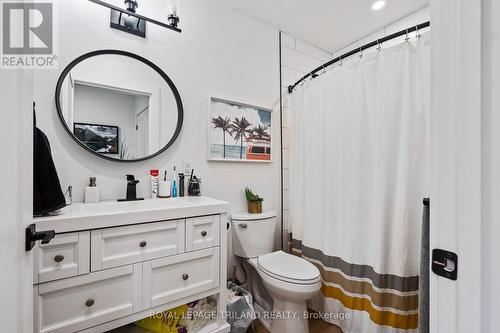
(203, 234)
(185, 277)
(143, 244)
(58, 258)
(89, 302)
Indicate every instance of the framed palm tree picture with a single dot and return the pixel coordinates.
(238, 132)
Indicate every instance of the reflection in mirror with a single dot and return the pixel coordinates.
(119, 107)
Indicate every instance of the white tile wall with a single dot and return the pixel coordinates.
(297, 59)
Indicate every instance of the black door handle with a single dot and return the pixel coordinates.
(32, 236)
(445, 264)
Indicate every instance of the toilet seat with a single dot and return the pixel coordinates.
(288, 268)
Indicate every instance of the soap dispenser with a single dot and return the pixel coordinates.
(92, 194)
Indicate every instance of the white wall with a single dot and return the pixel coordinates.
(219, 53)
(94, 105)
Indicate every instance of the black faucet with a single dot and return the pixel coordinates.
(131, 189)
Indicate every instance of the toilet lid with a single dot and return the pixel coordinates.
(287, 267)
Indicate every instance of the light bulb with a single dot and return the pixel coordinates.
(378, 4)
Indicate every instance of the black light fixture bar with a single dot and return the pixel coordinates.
(140, 17)
(314, 72)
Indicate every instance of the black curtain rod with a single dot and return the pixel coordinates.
(314, 72)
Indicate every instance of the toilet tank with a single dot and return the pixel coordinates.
(253, 234)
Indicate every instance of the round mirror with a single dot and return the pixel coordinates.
(119, 106)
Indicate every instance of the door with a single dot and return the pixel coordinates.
(16, 279)
(142, 131)
(456, 163)
(491, 173)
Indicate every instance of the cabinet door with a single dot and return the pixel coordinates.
(76, 303)
(120, 246)
(66, 255)
(172, 278)
(202, 232)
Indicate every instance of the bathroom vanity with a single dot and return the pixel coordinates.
(111, 263)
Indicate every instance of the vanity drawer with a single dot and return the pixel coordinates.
(202, 232)
(66, 255)
(80, 302)
(172, 278)
(120, 246)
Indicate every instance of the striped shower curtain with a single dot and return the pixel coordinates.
(359, 173)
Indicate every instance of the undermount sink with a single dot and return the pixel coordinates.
(84, 216)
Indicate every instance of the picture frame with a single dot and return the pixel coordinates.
(103, 139)
(239, 132)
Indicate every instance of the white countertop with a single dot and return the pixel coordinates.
(105, 214)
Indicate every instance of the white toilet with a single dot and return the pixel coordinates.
(290, 280)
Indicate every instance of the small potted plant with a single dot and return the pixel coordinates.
(254, 202)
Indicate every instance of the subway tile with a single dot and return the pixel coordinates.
(289, 76)
(298, 60)
(286, 179)
(287, 117)
(287, 40)
(287, 100)
(287, 138)
(286, 158)
(286, 199)
(312, 51)
(286, 219)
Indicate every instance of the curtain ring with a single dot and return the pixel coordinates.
(341, 61)
(407, 39)
(379, 46)
(323, 67)
(360, 52)
(418, 35)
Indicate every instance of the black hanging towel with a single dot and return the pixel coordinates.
(47, 193)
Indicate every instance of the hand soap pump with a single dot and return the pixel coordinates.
(92, 194)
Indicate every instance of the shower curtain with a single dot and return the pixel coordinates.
(359, 174)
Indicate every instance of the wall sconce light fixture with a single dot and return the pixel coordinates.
(127, 20)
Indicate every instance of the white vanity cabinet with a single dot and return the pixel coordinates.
(71, 305)
(120, 246)
(65, 256)
(113, 274)
(202, 233)
(172, 278)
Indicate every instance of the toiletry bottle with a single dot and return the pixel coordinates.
(174, 184)
(181, 184)
(92, 194)
(174, 189)
(165, 186)
(154, 183)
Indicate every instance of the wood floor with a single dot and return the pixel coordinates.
(315, 326)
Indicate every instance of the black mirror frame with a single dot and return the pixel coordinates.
(180, 109)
